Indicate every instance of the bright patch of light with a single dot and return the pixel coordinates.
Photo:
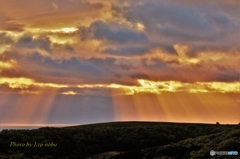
(160, 85)
(69, 30)
(7, 64)
(140, 26)
(65, 30)
(145, 86)
(157, 87)
(194, 60)
(69, 93)
(24, 83)
(50, 85)
(3, 48)
(16, 82)
(58, 40)
(225, 87)
(182, 57)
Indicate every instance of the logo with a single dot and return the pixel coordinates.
(212, 153)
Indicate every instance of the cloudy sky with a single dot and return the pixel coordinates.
(89, 61)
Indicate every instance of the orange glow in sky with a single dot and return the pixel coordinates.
(76, 62)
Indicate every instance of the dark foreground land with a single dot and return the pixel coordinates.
(121, 140)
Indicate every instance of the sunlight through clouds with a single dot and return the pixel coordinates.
(173, 58)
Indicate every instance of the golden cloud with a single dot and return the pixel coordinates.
(9, 64)
(144, 86)
(24, 83)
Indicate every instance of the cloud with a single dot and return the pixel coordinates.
(139, 76)
(126, 51)
(116, 39)
(5, 39)
(111, 32)
(139, 42)
(30, 42)
(154, 63)
(226, 77)
(102, 62)
(55, 45)
(163, 15)
(126, 66)
(45, 69)
(110, 63)
(198, 26)
(73, 70)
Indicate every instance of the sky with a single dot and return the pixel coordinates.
(92, 61)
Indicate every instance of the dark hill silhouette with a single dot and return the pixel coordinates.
(121, 140)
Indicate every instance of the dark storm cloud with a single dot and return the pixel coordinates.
(30, 42)
(198, 26)
(159, 14)
(109, 64)
(71, 68)
(102, 61)
(119, 39)
(45, 69)
(43, 42)
(74, 70)
(111, 32)
(127, 51)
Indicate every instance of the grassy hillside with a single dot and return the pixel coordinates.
(121, 140)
